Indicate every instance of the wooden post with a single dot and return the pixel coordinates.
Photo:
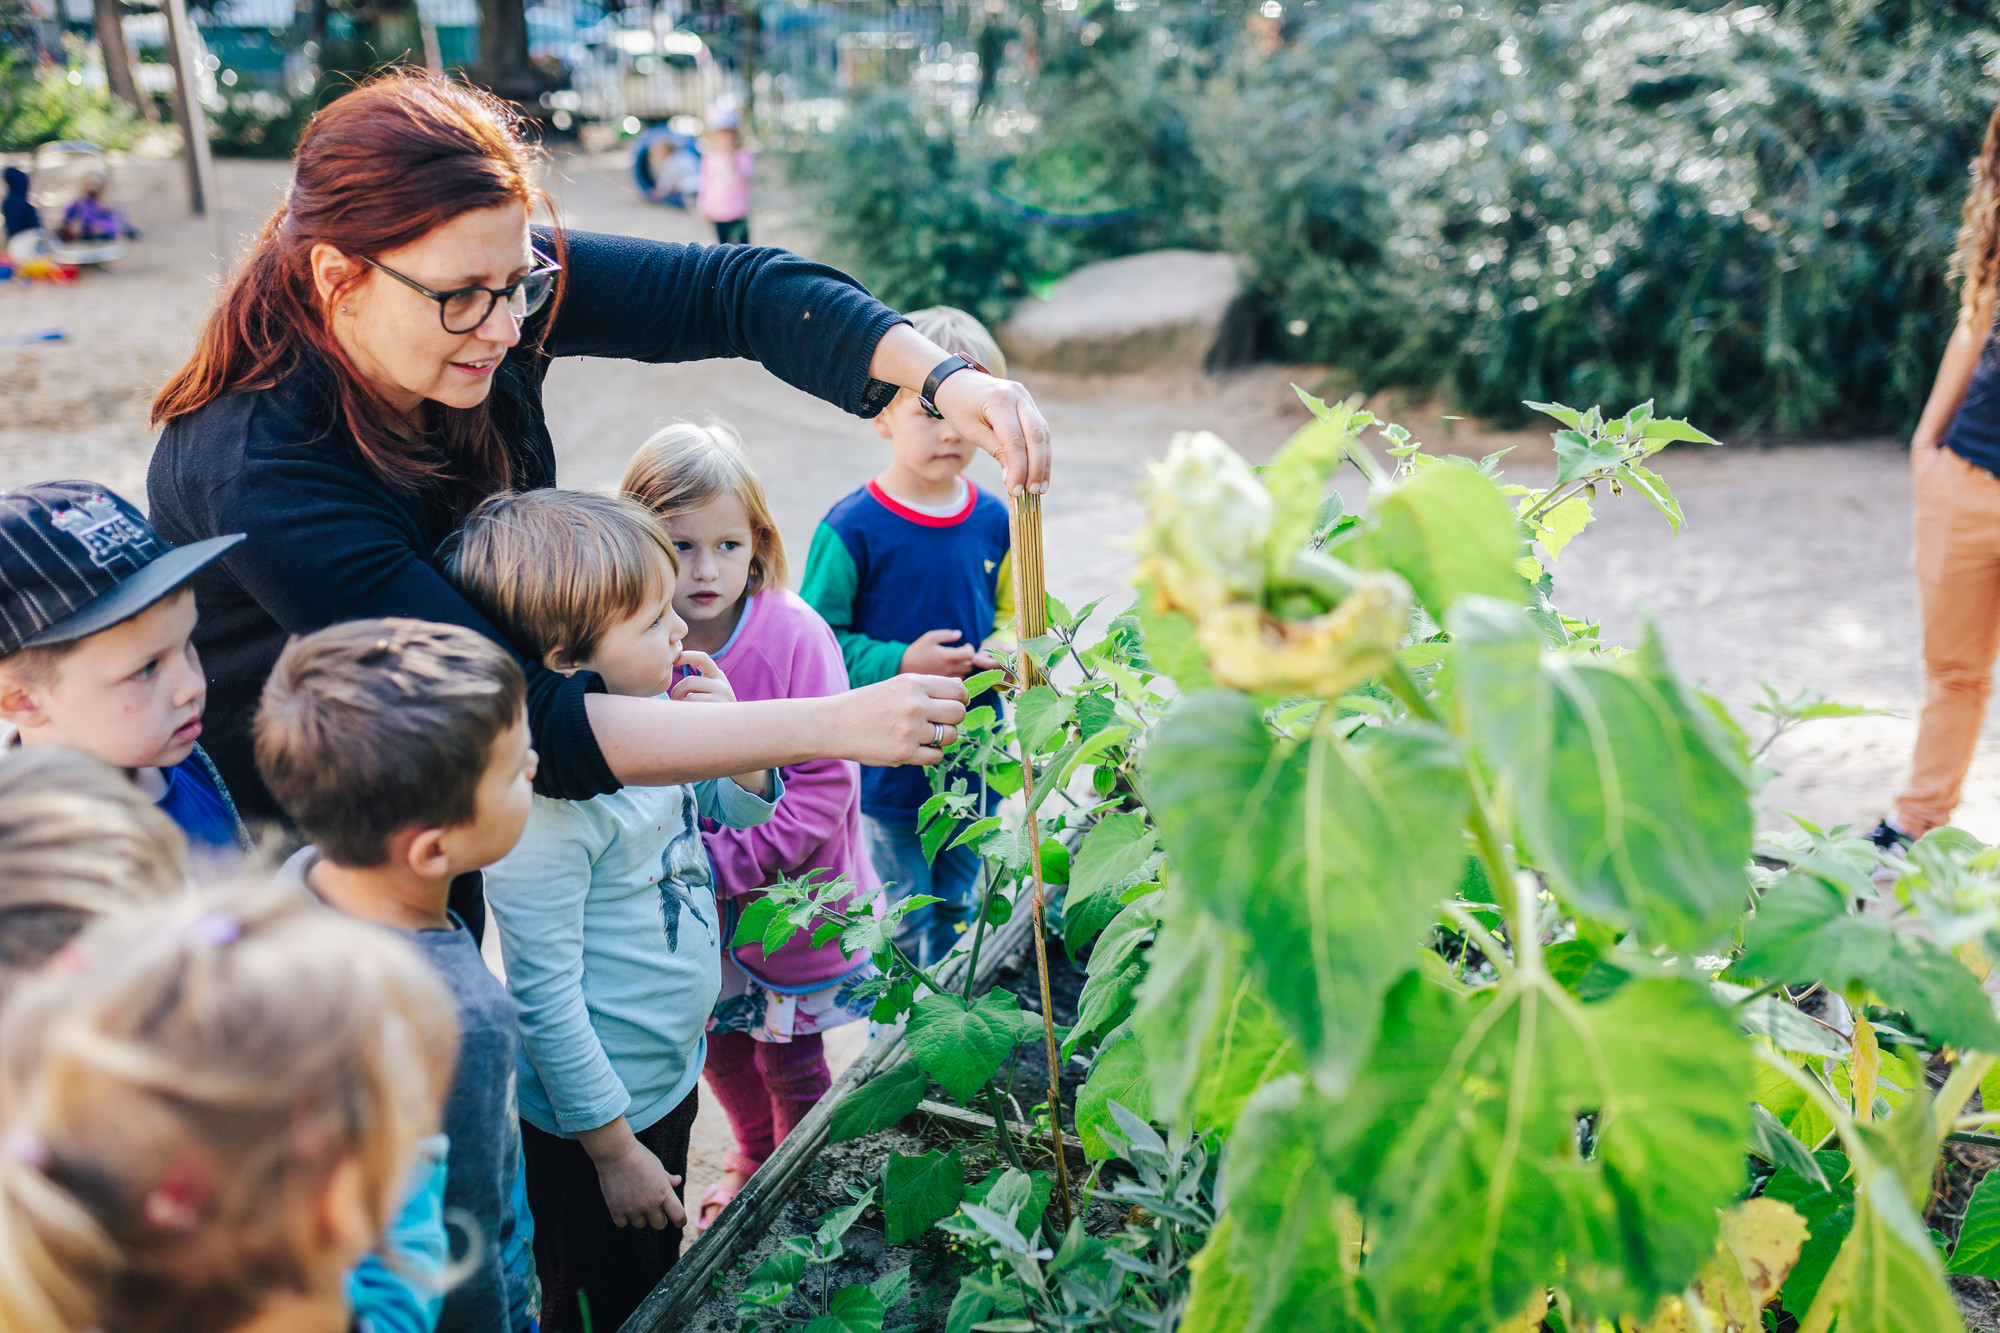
(203, 197)
(118, 71)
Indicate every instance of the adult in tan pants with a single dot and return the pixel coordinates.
(1955, 467)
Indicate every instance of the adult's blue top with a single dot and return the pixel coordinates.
(330, 540)
(1975, 431)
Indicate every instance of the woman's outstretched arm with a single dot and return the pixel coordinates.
(656, 743)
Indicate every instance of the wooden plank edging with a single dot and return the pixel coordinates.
(739, 1225)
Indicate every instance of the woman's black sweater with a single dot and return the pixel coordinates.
(330, 540)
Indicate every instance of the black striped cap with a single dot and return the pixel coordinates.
(76, 559)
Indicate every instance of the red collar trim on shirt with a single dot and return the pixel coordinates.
(901, 510)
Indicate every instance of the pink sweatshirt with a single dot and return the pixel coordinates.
(783, 650)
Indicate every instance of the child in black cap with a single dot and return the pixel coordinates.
(95, 619)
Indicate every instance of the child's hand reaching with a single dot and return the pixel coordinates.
(935, 654)
(638, 1192)
(711, 686)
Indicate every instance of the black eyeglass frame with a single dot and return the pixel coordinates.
(547, 268)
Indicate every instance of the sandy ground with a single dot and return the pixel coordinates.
(1794, 567)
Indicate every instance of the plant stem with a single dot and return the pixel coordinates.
(1958, 1089)
(1496, 953)
(1543, 503)
(1007, 1148)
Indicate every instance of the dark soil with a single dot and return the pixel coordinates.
(841, 1167)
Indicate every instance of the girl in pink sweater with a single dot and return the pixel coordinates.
(765, 1060)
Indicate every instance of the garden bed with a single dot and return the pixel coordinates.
(808, 1177)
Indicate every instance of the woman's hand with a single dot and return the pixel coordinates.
(996, 415)
(709, 686)
(902, 720)
(1000, 417)
(638, 1192)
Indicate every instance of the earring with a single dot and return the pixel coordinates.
(345, 311)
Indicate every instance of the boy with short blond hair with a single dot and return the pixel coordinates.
(606, 910)
(96, 618)
(401, 749)
(912, 573)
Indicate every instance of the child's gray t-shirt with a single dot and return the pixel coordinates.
(607, 919)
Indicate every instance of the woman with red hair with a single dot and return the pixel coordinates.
(374, 370)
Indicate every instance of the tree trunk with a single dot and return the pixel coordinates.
(118, 69)
(503, 53)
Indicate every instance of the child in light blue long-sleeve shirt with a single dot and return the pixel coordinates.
(606, 907)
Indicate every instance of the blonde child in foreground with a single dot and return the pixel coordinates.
(912, 573)
(606, 908)
(156, 1177)
(766, 1062)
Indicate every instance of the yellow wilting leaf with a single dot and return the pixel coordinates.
(1323, 656)
(1867, 1068)
(1760, 1242)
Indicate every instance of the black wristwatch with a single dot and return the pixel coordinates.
(944, 370)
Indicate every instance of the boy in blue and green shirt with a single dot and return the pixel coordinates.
(912, 573)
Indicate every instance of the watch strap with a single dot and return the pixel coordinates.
(944, 370)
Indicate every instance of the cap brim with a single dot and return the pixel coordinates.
(137, 593)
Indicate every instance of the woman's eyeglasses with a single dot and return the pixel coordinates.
(464, 309)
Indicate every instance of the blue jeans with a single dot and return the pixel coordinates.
(928, 933)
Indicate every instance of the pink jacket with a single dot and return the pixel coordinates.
(783, 650)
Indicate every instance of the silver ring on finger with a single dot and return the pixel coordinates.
(937, 735)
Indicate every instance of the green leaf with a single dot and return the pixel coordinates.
(917, 1191)
(1896, 1284)
(1039, 714)
(976, 685)
(961, 1046)
(1117, 1075)
(892, 1288)
(1829, 1217)
(1569, 416)
(1286, 1250)
(773, 1281)
(968, 1308)
(836, 1223)
(1298, 477)
(1460, 1143)
(1672, 430)
(1328, 857)
(1770, 1140)
(1011, 1193)
(1125, 936)
(1114, 855)
(852, 1309)
(976, 830)
(1448, 531)
(1095, 712)
(935, 835)
(1654, 487)
(1577, 455)
(1803, 933)
(1104, 1004)
(1171, 645)
(757, 917)
(1555, 528)
(1978, 1251)
(1627, 796)
(1055, 862)
(879, 1103)
(1219, 1298)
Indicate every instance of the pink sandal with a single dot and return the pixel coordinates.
(722, 1192)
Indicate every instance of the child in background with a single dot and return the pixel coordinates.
(765, 1058)
(606, 909)
(95, 620)
(401, 749)
(77, 839)
(912, 573)
(726, 167)
(159, 1176)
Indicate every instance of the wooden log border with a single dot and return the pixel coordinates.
(739, 1226)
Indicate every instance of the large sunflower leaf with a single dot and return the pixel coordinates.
(1329, 858)
(1628, 798)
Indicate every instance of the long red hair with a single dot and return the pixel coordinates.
(378, 169)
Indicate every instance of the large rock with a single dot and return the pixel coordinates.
(1170, 310)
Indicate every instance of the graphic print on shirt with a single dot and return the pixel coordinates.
(687, 880)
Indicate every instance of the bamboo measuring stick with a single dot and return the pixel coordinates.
(1030, 621)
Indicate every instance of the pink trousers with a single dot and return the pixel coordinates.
(766, 1087)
